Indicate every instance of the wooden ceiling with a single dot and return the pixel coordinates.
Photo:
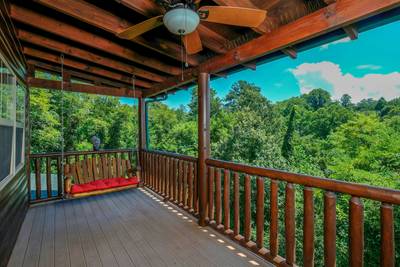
(84, 31)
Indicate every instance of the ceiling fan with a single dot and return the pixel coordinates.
(183, 17)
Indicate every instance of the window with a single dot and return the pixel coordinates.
(12, 123)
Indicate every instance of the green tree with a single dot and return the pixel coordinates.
(287, 148)
(345, 101)
(318, 98)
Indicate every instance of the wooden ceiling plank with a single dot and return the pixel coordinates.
(83, 66)
(332, 17)
(73, 51)
(55, 68)
(75, 34)
(107, 21)
(262, 28)
(83, 88)
(210, 39)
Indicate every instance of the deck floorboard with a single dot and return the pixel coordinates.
(129, 228)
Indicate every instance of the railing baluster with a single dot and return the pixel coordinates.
(165, 188)
(236, 205)
(260, 213)
(175, 177)
(180, 183)
(38, 179)
(247, 208)
(157, 175)
(211, 195)
(190, 182)
(290, 225)
(48, 177)
(218, 208)
(308, 227)
(330, 229)
(387, 236)
(227, 195)
(195, 190)
(273, 227)
(167, 180)
(59, 177)
(162, 169)
(171, 178)
(356, 232)
(185, 185)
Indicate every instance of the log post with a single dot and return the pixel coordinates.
(204, 141)
(142, 134)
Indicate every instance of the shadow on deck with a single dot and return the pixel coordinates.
(131, 228)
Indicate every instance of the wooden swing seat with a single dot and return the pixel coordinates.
(94, 176)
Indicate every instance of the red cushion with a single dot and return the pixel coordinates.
(103, 184)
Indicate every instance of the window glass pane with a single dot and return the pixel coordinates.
(20, 117)
(20, 104)
(6, 119)
(19, 143)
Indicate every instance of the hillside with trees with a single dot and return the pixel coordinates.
(311, 134)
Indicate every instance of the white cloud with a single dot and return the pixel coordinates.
(330, 76)
(369, 67)
(340, 41)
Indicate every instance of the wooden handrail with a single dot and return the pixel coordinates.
(171, 154)
(74, 153)
(385, 195)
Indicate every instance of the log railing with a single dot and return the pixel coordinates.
(45, 180)
(225, 194)
(173, 176)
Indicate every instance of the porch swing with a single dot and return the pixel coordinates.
(96, 175)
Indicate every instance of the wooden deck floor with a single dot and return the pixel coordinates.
(121, 229)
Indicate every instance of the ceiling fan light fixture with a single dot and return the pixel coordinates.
(181, 21)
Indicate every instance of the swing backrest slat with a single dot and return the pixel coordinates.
(92, 169)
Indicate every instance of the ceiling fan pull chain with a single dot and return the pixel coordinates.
(182, 57)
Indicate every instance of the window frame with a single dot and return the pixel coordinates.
(12, 122)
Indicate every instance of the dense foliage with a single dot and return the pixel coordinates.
(310, 134)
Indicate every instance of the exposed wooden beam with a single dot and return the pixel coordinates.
(73, 51)
(210, 39)
(144, 7)
(83, 88)
(189, 75)
(250, 65)
(55, 68)
(76, 34)
(221, 75)
(351, 31)
(337, 15)
(83, 67)
(290, 52)
(107, 21)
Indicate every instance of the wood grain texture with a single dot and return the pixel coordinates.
(13, 207)
(119, 229)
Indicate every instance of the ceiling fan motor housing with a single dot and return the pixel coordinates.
(181, 20)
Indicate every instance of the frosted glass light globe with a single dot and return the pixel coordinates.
(181, 21)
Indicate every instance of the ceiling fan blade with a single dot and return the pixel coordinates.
(192, 43)
(237, 16)
(140, 28)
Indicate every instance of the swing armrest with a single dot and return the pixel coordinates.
(67, 184)
(133, 172)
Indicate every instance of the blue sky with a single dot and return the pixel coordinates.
(367, 67)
